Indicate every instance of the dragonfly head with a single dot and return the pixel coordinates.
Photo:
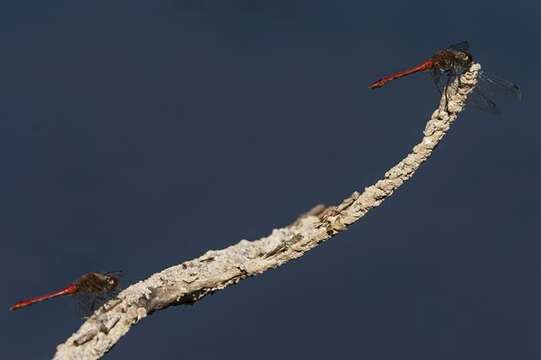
(112, 282)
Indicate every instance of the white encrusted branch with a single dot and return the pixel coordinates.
(190, 281)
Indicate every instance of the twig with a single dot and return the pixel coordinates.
(192, 280)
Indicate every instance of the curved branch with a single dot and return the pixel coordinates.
(215, 270)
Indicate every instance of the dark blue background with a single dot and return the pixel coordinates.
(138, 134)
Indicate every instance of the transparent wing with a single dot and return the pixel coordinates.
(492, 85)
(477, 98)
(481, 102)
(87, 303)
(461, 46)
(440, 79)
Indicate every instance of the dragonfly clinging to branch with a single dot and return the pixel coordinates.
(94, 287)
(449, 63)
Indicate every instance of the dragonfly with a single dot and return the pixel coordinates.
(92, 288)
(448, 64)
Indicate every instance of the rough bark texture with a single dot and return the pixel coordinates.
(217, 269)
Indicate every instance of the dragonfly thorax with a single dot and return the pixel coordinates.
(452, 61)
(96, 283)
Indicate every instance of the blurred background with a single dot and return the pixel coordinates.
(138, 134)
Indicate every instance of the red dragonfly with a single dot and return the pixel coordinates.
(97, 287)
(447, 64)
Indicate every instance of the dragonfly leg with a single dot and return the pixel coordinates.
(446, 95)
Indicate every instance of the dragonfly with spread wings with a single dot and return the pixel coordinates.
(91, 289)
(447, 64)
